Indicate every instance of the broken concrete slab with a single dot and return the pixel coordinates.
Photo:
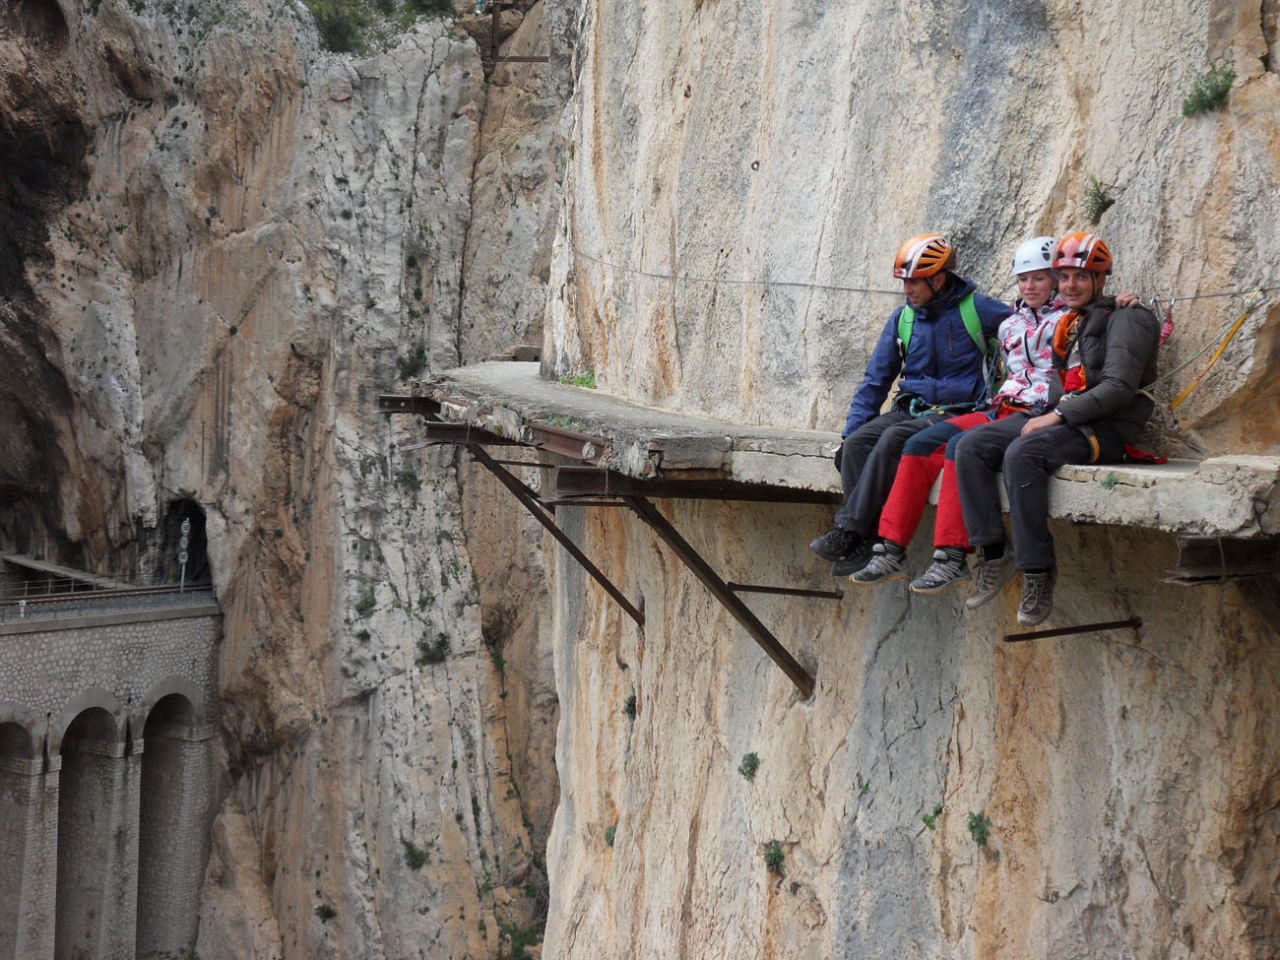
(1219, 497)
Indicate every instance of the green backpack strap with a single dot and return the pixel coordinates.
(906, 318)
(972, 323)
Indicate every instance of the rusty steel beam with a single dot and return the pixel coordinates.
(786, 591)
(595, 482)
(567, 443)
(465, 434)
(524, 463)
(424, 406)
(580, 502)
(1204, 560)
(720, 590)
(529, 499)
(1134, 622)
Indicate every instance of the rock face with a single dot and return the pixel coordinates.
(740, 179)
(221, 243)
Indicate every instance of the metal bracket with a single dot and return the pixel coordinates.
(529, 499)
(1134, 622)
(1206, 560)
(647, 512)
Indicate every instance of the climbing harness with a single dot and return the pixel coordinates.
(916, 407)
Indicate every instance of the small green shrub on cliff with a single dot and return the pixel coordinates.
(412, 364)
(930, 820)
(366, 603)
(774, 857)
(325, 912)
(1097, 200)
(1211, 90)
(341, 25)
(430, 652)
(610, 832)
(430, 7)
(979, 828)
(629, 707)
(519, 938)
(414, 856)
(585, 379)
(749, 765)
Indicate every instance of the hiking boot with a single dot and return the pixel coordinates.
(1037, 597)
(836, 544)
(989, 578)
(858, 558)
(888, 562)
(949, 569)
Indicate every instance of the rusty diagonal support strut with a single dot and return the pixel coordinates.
(647, 512)
(529, 499)
(1134, 622)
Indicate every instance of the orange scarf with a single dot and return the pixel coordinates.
(1064, 343)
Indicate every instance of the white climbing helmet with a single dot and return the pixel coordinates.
(1034, 254)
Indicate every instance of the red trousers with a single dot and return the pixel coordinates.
(924, 457)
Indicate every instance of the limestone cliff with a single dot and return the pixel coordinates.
(222, 243)
(741, 176)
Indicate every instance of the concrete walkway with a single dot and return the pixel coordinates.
(1235, 496)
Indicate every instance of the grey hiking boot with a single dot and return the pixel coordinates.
(858, 558)
(888, 562)
(836, 544)
(1037, 597)
(989, 578)
(949, 569)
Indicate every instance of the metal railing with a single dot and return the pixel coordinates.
(83, 600)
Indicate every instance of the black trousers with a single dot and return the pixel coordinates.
(1027, 463)
(868, 464)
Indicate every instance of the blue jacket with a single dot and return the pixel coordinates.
(943, 364)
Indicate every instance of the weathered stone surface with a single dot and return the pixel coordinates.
(1235, 496)
(221, 240)
(740, 177)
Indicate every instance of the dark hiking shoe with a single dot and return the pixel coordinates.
(858, 558)
(1037, 597)
(989, 578)
(836, 544)
(949, 569)
(888, 562)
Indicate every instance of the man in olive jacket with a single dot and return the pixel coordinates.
(1105, 356)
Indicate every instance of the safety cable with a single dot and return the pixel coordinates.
(734, 282)
(1255, 300)
(749, 282)
(1257, 297)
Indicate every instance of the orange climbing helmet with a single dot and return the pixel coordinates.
(1084, 251)
(923, 256)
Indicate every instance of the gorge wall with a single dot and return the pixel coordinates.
(223, 243)
(741, 176)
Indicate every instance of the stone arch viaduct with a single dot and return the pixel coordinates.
(107, 725)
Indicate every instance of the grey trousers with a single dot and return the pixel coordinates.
(1027, 463)
(868, 464)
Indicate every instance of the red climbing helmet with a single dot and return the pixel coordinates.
(923, 256)
(1084, 251)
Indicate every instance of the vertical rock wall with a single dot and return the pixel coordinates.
(223, 244)
(742, 175)
(740, 178)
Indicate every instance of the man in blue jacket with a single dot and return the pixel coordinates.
(936, 346)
